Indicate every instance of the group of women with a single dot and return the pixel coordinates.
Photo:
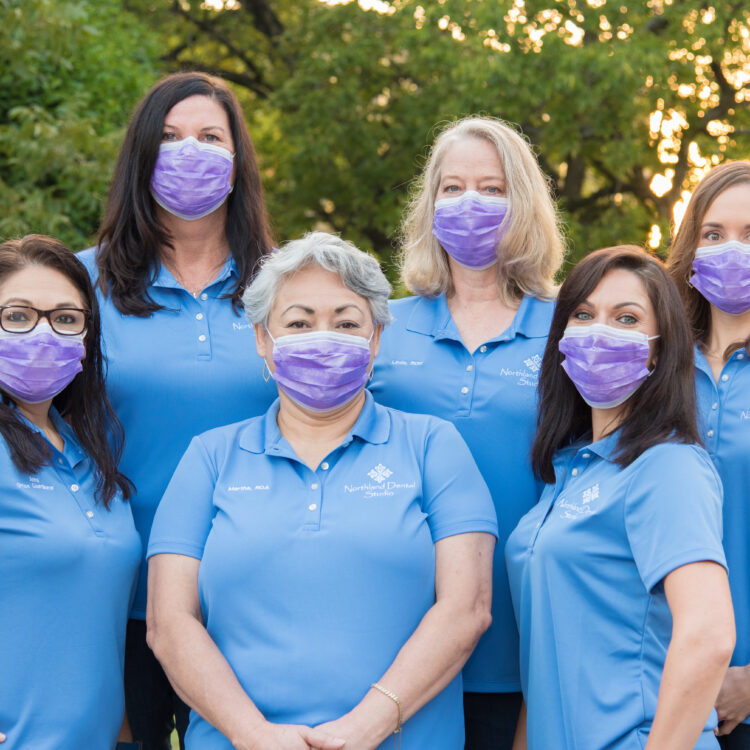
(492, 515)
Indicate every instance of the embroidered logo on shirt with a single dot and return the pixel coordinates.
(745, 414)
(240, 326)
(533, 363)
(406, 362)
(583, 508)
(381, 488)
(379, 473)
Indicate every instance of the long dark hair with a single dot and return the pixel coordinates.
(83, 403)
(661, 409)
(131, 236)
(687, 239)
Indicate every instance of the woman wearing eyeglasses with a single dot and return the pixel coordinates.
(69, 551)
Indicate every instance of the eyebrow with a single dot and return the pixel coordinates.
(496, 177)
(28, 303)
(718, 225)
(344, 307)
(202, 130)
(618, 306)
(308, 310)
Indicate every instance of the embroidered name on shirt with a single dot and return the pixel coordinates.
(240, 326)
(34, 484)
(247, 487)
(745, 414)
(385, 489)
(406, 363)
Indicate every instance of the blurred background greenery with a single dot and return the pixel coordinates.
(627, 102)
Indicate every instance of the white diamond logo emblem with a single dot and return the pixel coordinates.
(379, 473)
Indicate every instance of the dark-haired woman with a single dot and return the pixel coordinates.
(710, 262)
(618, 574)
(184, 226)
(69, 551)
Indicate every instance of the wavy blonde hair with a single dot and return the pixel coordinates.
(531, 250)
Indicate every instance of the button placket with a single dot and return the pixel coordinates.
(86, 505)
(314, 497)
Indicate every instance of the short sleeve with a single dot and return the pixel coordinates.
(455, 497)
(185, 513)
(673, 511)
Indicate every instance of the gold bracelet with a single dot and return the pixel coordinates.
(394, 698)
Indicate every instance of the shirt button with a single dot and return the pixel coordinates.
(464, 390)
(586, 455)
(204, 296)
(725, 378)
(199, 316)
(312, 506)
(740, 356)
(202, 337)
(483, 348)
(469, 368)
(574, 472)
(74, 487)
(59, 460)
(715, 405)
(710, 433)
(324, 465)
(314, 486)
(89, 514)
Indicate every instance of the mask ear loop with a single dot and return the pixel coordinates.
(266, 372)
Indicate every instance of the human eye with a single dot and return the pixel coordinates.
(16, 315)
(297, 324)
(210, 138)
(494, 190)
(712, 235)
(627, 319)
(348, 325)
(582, 315)
(168, 135)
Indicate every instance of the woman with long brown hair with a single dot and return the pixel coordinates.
(710, 262)
(185, 225)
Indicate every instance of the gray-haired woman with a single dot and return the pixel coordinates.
(320, 574)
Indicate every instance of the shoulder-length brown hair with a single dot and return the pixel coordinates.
(532, 249)
(83, 403)
(661, 409)
(131, 237)
(687, 239)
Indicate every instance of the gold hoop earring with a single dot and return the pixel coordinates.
(265, 370)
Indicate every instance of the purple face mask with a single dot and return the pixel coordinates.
(469, 227)
(36, 366)
(321, 370)
(191, 179)
(606, 364)
(721, 273)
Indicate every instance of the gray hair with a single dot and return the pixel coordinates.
(358, 271)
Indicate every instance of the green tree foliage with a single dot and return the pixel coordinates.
(70, 73)
(626, 102)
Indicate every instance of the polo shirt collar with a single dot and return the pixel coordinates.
(72, 451)
(165, 278)
(432, 317)
(263, 435)
(606, 448)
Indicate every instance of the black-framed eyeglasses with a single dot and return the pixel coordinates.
(67, 321)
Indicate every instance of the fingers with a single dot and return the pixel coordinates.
(2, 737)
(322, 741)
(726, 727)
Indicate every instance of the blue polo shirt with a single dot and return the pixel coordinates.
(67, 574)
(586, 568)
(311, 581)
(187, 368)
(724, 411)
(490, 396)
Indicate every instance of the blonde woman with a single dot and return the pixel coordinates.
(481, 247)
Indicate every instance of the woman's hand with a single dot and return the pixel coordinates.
(357, 734)
(291, 737)
(733, 703)
(2, 737)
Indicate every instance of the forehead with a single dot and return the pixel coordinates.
(41, 286)
(732, 206)
(200, 110)
(620, 285)
(471, 154)
(317, 288)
